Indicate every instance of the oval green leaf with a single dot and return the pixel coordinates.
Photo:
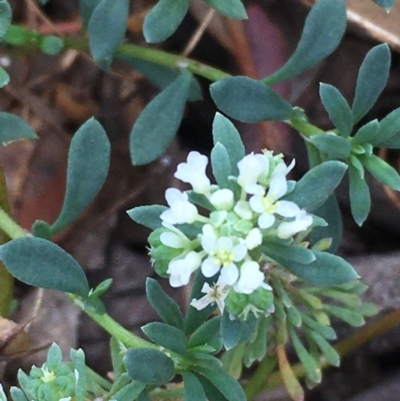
(249, 100)
(14, 128)
(4, 77)
(382, 171)
(338, 109)
(156, 127)
(327, 269)
(332, 145)
(5, 17)
(38, 262)
(193, 389)
(317, 185)
(231, 8)
(148, 216)
(163, 19)
(371, 81)
(323, 31)
(386, 4)
(51, 45)
(389, 128)
(107, 27)
(360, 199)
(149, 366)
(367, 133)
(88, 163)
(236, 331)
(221, 165)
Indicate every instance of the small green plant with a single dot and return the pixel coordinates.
(258, 248)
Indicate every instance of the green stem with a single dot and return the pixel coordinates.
(10, 227)
(6, 279)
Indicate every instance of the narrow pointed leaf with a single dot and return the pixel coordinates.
(288, 252)
(317, 185)
(206, 332)
(13, 128)
(330, 353)
(4, 77)
(86, 8)
(389, 128)
(88, 163)
(230, 8)
(130, 392)
(382, 171)
(148, 216)
(360, 199)
(338, 109)
(261, 104)
(164, 305)
(156, 127)
(226, 133)
(5, 17)
(350, 317)
(367, 133)
(325, 331)
(371, 81)
(236, 331)
(163, 19)
(323, 31)
(43, 264)
(107, 27)
(149, 366)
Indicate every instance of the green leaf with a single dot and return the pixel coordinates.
(350, 317)
(167, 336)
(4, 77)
(367, 133)
(165, 306)
(313, 371)
(221, 165)
(206, 333)
(225, 132)
(330, 353)
(325, 331)
(161, 76)
(150, 136)
(323, 31)
(225, 383)
(163, 19)
(333, 145)
(386, 4)
(261, 102)
(5, 17)
(337, 107)
(327, 269)
(371, 81)
(13, 128)
(51, 45)
(88, 163)
(317, 185)
(130, 392)
(149, 366)
(212, 393)
(389, 128)
(41, 263)
(148, 216)
(287, 252)
(382, 171)
(86, 8)
(236, 331)
(17, 394)
(107, 27)
(330, 212)
(193, 389)
(230, 8)
(360, 199)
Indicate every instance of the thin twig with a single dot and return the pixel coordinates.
(42, 16)
(194, 40)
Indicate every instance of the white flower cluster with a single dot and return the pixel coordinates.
(243, 214)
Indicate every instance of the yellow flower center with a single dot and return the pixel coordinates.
(222, 257)
(269, 207)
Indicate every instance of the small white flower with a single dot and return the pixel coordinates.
(221, 253)
(48, 376)
(222, 199)
(194, 172)
(243, 210)
(180, 269)
(250, 278)
(175, 238)
(301, 223)
(269, 205)
(253, 238)
(250, 168)
(181, 210)
(216, 293)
